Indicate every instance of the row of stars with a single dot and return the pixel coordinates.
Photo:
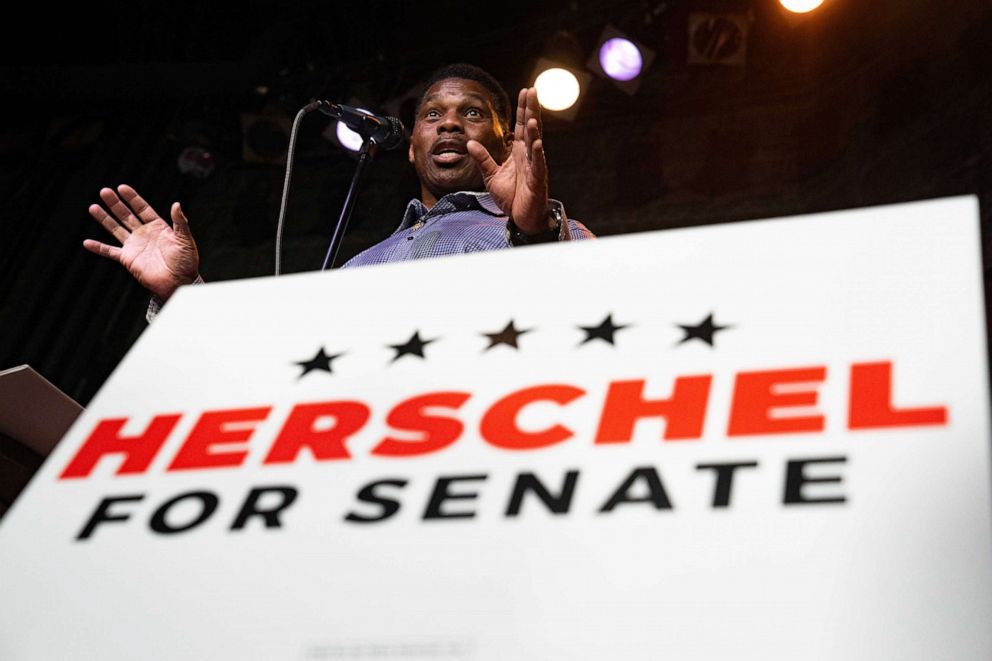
(605, 331)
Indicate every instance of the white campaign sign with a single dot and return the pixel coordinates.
(765, 440)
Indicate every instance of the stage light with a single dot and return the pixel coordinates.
(718, 38)
(347, 138)
(557, 88)
(561, 85)
(620, 59)
(197, 162)
(265, 136)
(339, 134)
(801, 6)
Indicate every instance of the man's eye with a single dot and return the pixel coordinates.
(432, 113)
(473, 112)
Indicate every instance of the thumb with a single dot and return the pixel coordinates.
(179, 222)
(482, 158)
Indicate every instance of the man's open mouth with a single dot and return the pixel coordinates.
(447, 152)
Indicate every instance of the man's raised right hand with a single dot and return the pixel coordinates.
(160, 257)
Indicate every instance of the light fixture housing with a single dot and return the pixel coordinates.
(620, 59)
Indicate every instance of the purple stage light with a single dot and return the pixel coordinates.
(620, 59)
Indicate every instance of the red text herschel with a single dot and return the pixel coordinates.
(224, 438)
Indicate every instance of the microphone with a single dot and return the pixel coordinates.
(386, 132)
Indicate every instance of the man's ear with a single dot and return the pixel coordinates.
(409, 152)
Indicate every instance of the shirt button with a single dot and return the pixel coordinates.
(409, 238)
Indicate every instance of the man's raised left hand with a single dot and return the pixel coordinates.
(519, 185)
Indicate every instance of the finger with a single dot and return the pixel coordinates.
(108, 223)
(179, 221)
(136, 202)
(120, 210)
(534, 105)
(533, 135)
(539, 167)
(483, 159)
(518, 127)
(102, 249)
(532, 117)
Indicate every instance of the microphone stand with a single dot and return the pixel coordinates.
(385, 132)
(364, 158)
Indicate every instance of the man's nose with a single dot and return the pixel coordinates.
(451, 123)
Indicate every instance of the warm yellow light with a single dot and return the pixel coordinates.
(557, 89)
(801, 6)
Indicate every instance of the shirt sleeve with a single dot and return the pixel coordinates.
(568, 230)
(578, 232)
(155, 304)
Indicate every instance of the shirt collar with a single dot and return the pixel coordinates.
(460, 201)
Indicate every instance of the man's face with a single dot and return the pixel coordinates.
(454, 111)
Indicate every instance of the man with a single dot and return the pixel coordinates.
(483, 186)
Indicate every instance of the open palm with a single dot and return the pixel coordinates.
(160, 257)
(519, 185)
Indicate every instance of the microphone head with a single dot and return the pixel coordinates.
(393, 133)
(387, 132)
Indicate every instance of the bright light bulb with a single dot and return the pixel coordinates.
(620, 59)
(348, 138)
(557, 89)
(801, 6)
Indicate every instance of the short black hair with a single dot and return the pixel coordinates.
(501, 100)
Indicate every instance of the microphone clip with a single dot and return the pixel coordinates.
(385, 132)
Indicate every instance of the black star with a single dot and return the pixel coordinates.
(703, 331)
(321, 361)
(507, 336)
(414, 346)
(604, 331)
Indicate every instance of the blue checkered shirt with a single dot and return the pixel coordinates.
(459, 223)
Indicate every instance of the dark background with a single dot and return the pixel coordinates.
(859, 103)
